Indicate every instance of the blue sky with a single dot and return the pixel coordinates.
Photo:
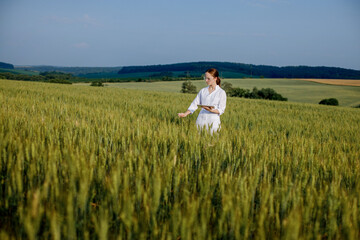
(144, 32)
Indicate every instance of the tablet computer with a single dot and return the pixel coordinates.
(202, 105)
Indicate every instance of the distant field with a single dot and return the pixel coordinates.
(340, 82)
(296, 90)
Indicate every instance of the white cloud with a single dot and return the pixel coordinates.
(88, 21)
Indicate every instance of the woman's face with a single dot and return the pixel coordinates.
(209, 79)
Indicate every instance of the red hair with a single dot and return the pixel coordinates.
(213, 72)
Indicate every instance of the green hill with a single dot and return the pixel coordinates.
(228, 69)
(78, 71)
(196, 69)
(6, 65)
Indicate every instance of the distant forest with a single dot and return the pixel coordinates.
(6, 65)
(249, 70)
(73, 70)
(191, 70)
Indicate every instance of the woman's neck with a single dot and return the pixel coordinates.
(212, 88)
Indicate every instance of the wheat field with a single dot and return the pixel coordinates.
(296, 90)
(80, 162)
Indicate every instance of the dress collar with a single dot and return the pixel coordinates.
(216, 88)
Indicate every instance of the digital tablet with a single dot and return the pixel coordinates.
(202, 105)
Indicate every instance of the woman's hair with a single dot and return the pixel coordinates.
(213, 72)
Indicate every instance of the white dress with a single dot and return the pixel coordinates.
(208, 119)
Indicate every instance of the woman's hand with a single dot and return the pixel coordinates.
(208, 108)
(211, 109)
(184, 114)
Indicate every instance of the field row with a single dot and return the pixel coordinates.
(106, 163)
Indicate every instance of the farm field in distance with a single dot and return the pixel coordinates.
(296, 90)
(111, 163)
(339, 82)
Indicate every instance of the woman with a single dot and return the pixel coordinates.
(214, 98)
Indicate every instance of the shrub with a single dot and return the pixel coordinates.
(97, 84)
(240, 92)
(264, 93)
(188, 87)
(330, 101)
(270, 94)
(255, 94)
(227, 87)
(62, 81)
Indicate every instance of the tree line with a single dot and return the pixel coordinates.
(6, 65)
(195, 68)
(264, 93)
(51, 77)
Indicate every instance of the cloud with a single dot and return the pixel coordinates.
(88, 21)
(81, 45)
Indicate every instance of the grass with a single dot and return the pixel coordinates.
(295, 90)
(105, 163)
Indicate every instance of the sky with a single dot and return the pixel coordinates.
(109, 33)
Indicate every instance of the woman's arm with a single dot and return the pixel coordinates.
(222, 104)
(184, 114)
(193, 106)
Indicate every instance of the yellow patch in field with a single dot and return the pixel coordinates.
(340, 82)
